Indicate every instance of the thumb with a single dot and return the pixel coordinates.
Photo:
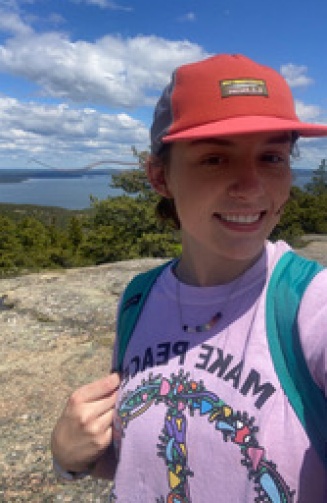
(113, 381)
(102, 388)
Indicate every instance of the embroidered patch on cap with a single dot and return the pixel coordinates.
(243, 87)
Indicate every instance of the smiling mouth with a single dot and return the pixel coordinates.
(241, 219)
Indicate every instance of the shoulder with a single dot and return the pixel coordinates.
(310, 282)
(141, 284)
(315, 296)
(294, 267)
(274, 252)
(312, 324)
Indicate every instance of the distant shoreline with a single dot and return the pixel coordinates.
(75, 189)
(65, 189)
(19, 175)
(23, 175)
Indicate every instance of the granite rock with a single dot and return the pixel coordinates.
(56, 333)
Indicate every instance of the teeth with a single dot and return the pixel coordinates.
(241, 219)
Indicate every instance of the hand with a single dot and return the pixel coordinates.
(83, 432)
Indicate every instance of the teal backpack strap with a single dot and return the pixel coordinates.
(288, 282)
(132, 304)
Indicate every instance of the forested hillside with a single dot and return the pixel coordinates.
(126, 227)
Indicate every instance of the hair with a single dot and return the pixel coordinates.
(166, 209)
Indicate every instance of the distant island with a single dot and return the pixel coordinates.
(301, 176)
(19, 175)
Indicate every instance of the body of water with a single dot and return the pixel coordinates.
(73, 191)
(66, 191)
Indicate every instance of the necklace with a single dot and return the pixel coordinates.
(204, 327)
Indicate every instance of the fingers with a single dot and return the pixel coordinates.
(93, 400)
(84, 413)
(84, 429)
(99, 432)
(98, 389)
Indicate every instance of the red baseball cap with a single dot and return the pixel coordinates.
(225, 95)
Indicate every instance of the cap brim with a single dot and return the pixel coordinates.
(247, 125)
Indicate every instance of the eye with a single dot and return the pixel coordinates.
(213, 160)
(274, 158)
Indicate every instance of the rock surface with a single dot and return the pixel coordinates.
(56, 333)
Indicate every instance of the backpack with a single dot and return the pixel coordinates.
(289, 279)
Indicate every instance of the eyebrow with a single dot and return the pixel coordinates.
(214, 141)
(273, 140)
(284, 138)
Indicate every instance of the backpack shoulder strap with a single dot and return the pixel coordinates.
(133, 300)
(287, 284)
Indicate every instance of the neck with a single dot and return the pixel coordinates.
(202, 273)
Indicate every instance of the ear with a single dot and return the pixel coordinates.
(156, 172)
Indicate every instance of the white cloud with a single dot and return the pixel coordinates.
(56, 19)
(308, 113)
(78, 76)
(65, 136)
(112, 71)
(296, 75)
(106, 4)
(312, 150)
(190, 17)
(11, 22)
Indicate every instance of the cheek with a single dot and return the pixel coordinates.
(281, 189)
(190, 203)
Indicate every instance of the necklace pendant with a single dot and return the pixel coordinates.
(203, 328)
(206, 327)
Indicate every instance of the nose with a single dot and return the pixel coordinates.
(247, 182)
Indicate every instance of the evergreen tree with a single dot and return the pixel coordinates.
(318, 185)
(75, 232)
(10, 246)
(134, 181)
(126, 226)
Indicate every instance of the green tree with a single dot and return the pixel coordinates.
(75, 232)
(123, 228)
(32, 234)
(314, 213)
(134, 181)
(318, 185)
(290, 225)
(126, 226)
(10, 246)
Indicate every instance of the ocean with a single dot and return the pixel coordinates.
(73, 190)
(53, 188)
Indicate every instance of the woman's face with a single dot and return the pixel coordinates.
(228, 192)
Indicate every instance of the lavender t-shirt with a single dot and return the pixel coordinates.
(201, 417)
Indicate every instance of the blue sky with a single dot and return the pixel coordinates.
(79, 78)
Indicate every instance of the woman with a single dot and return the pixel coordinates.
(199, 413)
